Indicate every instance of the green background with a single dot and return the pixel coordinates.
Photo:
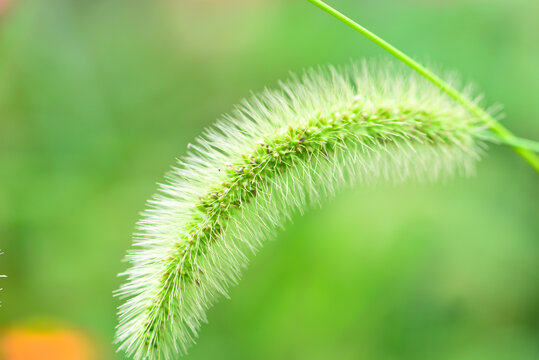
(98, 99)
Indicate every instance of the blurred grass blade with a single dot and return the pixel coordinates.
(514, 142)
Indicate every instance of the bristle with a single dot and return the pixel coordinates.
(276, 154)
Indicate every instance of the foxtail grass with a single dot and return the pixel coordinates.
(273, 156)
(276, 154)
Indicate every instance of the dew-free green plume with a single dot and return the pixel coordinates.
(278, 152)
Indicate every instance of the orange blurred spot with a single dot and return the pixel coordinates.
(20, 344)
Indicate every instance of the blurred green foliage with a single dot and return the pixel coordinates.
(98, 98)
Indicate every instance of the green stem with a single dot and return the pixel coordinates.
(495, 126)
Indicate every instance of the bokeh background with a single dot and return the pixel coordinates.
(98, 98)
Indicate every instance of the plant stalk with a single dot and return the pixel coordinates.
(503, 133)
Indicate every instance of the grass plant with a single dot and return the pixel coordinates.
(273, 156)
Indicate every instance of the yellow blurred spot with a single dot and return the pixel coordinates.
(23, 344)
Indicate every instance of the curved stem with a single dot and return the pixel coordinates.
(495, 126)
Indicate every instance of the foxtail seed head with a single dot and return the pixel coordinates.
(276, 153)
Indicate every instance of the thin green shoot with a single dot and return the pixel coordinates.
(519, 145)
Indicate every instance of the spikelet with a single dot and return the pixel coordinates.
(277, 153)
